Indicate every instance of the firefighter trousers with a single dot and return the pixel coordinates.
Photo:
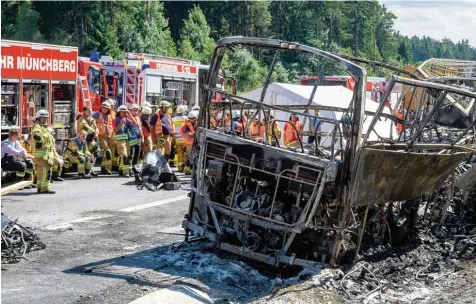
(42, 174)
(23, 167)
(146, 147)
(83, 162)
(187, 161)
(106, 143)
(180, 155)
(123, 159)
(56, 169)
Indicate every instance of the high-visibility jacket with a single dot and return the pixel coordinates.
(178, 122)
(290, 133)
(47, 140)
(276, 131)
(76, 146)
(87, 124)
(104, 124)
(257, 130)
(158, 124)
(399, 125)
(187, 128)
(138, 127)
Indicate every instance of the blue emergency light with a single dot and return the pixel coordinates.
(94, 56)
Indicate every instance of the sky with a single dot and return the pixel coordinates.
(437, 19)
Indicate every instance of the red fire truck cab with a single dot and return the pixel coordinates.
(38, 76)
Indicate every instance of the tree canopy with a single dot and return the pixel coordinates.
(190, 29)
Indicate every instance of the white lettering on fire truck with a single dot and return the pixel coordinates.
(38, 64)
(167, 67)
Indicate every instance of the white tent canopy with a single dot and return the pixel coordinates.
(335, 96)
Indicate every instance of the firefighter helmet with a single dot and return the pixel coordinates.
(146, 110)
(179, 110)
(193, 115)
(195, 108)
(135, 106)
(111, 101)
(147, 104)
(164, 103)
(106, 105)
(122, 108)
(42, 113)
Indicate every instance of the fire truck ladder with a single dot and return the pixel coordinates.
(84, 89)
(130, 82)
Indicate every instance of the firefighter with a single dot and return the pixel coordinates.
(115, 165)
(88, 124)
(257, 130)
(147, 142)
(105, 135)
(16, 158)
(58, 163)
(290, 132)
(162, 126)
(77, 153)
(136, 136)
(122, 128)
(399, 114)
(188, 131)
(178, 121)
(273, 128)
(44, 151)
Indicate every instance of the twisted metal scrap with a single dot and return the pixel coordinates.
(17, 241)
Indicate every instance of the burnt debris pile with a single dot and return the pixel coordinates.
(17, 241)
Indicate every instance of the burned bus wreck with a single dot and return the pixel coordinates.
(301, 203)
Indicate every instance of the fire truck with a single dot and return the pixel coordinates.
(38, 76)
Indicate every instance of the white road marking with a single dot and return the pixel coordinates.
(154, 204)
(176, 229)
(68, 224)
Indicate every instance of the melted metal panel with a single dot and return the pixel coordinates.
(387, 176)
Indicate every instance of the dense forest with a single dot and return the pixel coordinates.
(189, 29)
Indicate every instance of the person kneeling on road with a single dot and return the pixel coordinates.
(16, 158)
(77, 154)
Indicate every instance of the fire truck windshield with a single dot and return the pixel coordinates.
(94, 78)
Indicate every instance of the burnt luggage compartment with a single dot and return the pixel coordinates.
(259, 200)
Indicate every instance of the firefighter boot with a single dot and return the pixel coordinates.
(56, 177)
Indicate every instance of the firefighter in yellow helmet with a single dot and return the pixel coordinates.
(188, 131)
(78, 154)
(178, 121)
(115, 164)
(44, 151)
(162, 128)
(105, 134)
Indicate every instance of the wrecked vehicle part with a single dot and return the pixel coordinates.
(309, 203)
(17, 241)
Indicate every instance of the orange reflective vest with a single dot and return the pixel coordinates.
(104, 128)
(257, 131)
(158, 124)
(399, 125)
(290, 133)
(187, 137)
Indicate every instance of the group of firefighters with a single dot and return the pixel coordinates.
(124, 135)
